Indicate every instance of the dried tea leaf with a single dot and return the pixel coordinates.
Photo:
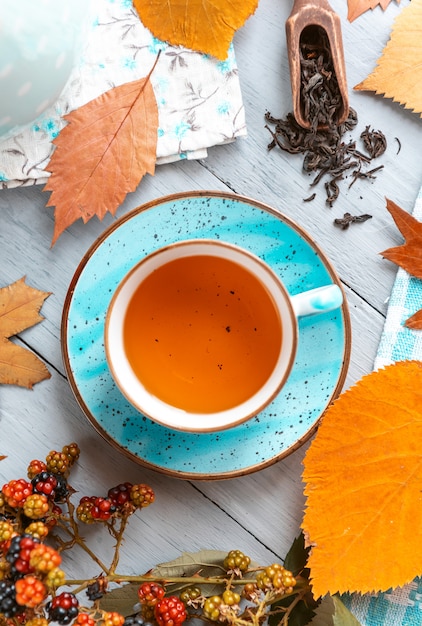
(103, 153)
(206, 26)
(398, 74)
(358, 7)
(19, 309)
(363, 475)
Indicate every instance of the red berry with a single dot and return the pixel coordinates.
(150, 593)
(30, 591)
(35, 467)
(120, 494)
(170, 611)
(16, 492)
(84, 619)
(102, 509)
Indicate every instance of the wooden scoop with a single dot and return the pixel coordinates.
(308, 15)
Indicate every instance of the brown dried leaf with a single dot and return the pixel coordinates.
(19, 309)
(398, 74)
(103, 153)
(363, 475)
(358, 7)
(204, 25)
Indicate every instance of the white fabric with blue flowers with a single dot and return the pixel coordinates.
(199, 98)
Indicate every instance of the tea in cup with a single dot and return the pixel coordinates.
(202, 334)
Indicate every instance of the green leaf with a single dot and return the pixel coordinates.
(342, 615)
(332, 612)
(209, 563)
(324, 613)
(300, 616)
(297, 557)
(122, 599)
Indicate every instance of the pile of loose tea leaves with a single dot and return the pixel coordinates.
(321, 101)
(324, 149)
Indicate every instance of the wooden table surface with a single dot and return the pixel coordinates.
(259, 513)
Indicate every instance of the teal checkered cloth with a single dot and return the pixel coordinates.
(402, 606)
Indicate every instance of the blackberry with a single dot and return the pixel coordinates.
(18, 555)
(45, 483)
(120, 494)
(54, 486)
(62, 489)
(8, 605)
(63, 608)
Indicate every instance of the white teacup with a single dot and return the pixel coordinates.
(201, 335)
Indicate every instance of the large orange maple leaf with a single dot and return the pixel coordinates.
(363, 475)
(109, 144)
(206, 26)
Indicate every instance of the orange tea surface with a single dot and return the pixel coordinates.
(202, 333)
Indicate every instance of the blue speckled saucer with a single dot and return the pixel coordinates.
(320, 366)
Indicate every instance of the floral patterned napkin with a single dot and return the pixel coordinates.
(402, 606)
(199, 98)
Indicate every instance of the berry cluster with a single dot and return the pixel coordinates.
(30, 573)
(276, 577)
(121, 501)
(31, 557)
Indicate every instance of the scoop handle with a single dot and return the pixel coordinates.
(319, 300)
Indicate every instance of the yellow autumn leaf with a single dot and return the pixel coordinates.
(206, 26)
(398, 74)
(20, 307)
(363, 485)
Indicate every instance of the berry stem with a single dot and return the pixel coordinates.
(118, 578)
(76, 538)
(119, 539)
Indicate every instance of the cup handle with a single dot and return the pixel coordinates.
(319, 300)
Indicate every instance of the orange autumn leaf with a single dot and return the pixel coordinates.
(108, 145)
(358, 7)
(409, 254)
(363, 475)
(206, 26)
(19, 309)
(398, 74)
(415, 321)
